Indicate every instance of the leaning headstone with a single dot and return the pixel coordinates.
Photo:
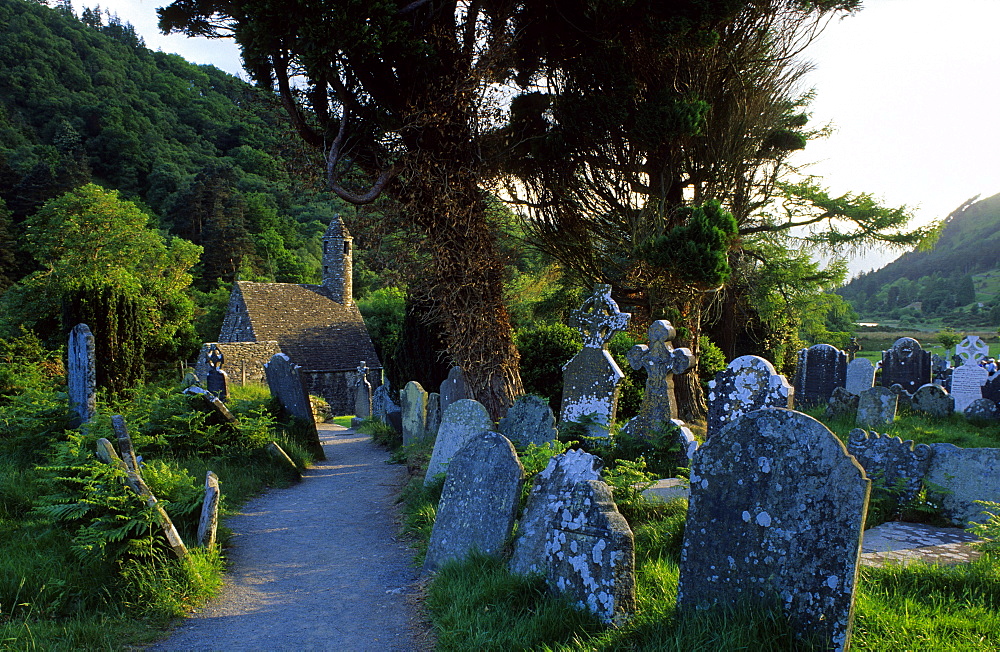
(413, 406)
(217, 380)
(284, 378)
(981, 410)
(529, 421)
(212, 400)
(842, 403)
(465, 420)
(903, 398)
(820, 369)
(963, 476)
(933, 400)
(573, 534)
(478, 503)
(591, 378)
(453, 388)
(906, 364)
(81, 372)
(688, 442)
(777, 509)
(967, 380)
(891, 461)
(860, 375)
(433, 414)
(876, 407)
(662, 362)
(747, 383)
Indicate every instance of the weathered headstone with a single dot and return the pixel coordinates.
(573, 534)
(777, 509)
(966, 475)
(906, 364)
(591, 378)
(891, 461)
(465, 420)
(903, 398)
(842, 403)
(820, 369)
(212, 400)
(967, 380)
(876, 407)
(286, 383)
(413, 406)
(932, 399)
(940, 370)
(689, 444)
(362, 392)
(479, 501)
(860, 375)
(981, 409)
(991, 389)
(453, 388)
(529, 421)
(852, 349)
(661, 361)
(747, 383)
(217, 380)
(433, 414)
(384, 408)
(81, 372)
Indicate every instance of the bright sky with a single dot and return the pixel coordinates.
(909, 85)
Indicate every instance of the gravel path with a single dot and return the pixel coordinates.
(317, 566)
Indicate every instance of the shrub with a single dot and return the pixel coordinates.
(544, 350)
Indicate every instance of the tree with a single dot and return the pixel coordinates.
(100, 260)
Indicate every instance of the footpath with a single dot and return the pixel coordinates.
(318, 565)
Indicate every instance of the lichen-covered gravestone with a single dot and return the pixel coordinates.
(384, 408)
(81, 372)
(453, 388)
(433, 414)
(967, 380)
(591, 378)
(478, 503)
(747, 383)
(966, 475)
(661, 361)
(286, 383)
(362, 392)
(876, 407)
(529, 421)
(891, 461)
(860, 375)
(981, 410)
(906, 364)
(842, 403)
(413, 405)
(465, 420)
(820, 369)
(217, 380)
(776, 510)
(573, 534)
(932, 399)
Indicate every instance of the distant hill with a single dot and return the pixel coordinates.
(949, 281)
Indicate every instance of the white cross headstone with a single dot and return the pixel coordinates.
(968, 379)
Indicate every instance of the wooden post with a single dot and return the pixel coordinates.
(125, 444)
(209, 512)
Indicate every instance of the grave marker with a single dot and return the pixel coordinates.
(747, 383)
(81, 372)
(413, 408)
(890, 460)
(454, 388)
(967, 380)
(876, 407)
(286, 383)
(906, 364)
(932, 399)
(661, 361)
(217, 380)
(820, 369)
(465, 420)
(529, 421)
(860, 375)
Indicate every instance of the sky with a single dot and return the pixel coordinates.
(909, 86)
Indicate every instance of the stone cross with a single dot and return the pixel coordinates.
(591, 378)
(363, 392)
(967, 380)
(217, 381)
(661, 361)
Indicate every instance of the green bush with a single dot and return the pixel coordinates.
(544, 350)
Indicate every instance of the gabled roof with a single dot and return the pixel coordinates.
(312, 329)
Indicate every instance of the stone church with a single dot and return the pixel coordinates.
(318, 327)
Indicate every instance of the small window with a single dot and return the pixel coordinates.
(326, 270)
(347, 247)
(326, 245)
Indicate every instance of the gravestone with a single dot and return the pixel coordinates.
(890, 460)
(747, 383)
(661, 361)
(965, 475)
(212, 400)
(820, 369)
(81, 372)
(384, 408)
(284, 378)
(529, 421)
(860, 375)
(478, 503)
(362, 395)
(903, 398)
(940, 370)
(573, 534)
(906, 364)
(932, 399)
(967, 379)
(454, 388)
(876, 407)
(981, 409)
(465, 420)
(413, 406)
(591, 378)
(777, 509)
(217, 380)
(991, 389)
(433, 414)
(689, 444)
(842, 403)
(852, 349)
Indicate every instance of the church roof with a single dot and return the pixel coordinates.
(312, 329)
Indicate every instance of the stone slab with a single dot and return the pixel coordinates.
(968, 475)
(464, 420)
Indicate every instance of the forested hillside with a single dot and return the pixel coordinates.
(205, 153)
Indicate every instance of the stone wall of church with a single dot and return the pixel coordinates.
(242, 361)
